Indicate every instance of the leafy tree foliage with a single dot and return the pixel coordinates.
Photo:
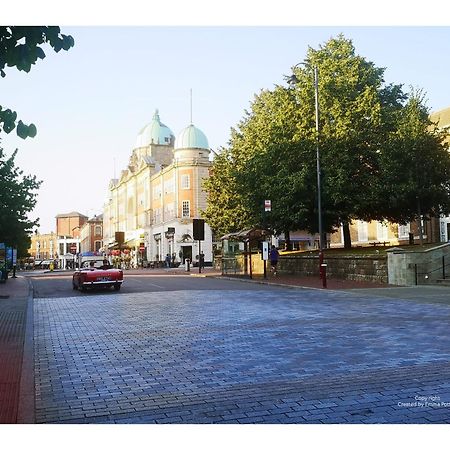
(17, 199)
(21, 47)
(357, 113)
(225, 212)
(415, 164)
(365, 136)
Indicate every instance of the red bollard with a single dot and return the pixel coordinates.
(323, 272)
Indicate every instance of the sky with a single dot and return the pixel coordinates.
(90, 102)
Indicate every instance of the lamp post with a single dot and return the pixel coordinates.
(293, 80)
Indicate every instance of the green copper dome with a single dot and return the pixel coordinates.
(191, 137)
(155, 133)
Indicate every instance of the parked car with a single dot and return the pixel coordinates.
(95, 274)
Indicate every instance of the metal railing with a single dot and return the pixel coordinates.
(443, 267)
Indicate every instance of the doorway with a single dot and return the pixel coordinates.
(187, 253)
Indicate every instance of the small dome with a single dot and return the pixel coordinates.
(154, 133)
(191, 137)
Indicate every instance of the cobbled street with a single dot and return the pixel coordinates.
(261, 356)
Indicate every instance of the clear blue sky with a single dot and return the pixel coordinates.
(89, 103)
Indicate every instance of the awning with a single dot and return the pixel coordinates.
(252, 234)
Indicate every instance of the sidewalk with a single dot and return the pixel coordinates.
(14, 298)
(309, 282)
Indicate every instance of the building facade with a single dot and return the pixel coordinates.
(68, 229)
(442, 118)
(156, 198)
(91, 235)
(44, 246)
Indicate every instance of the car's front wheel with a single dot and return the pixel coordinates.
(117, 287)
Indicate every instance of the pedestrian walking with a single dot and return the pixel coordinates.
(168, 259)
(274, 255)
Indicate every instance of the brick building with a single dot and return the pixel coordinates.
(91, 235)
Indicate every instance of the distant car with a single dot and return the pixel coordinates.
(95, 274)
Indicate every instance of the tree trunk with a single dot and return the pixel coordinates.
(287, 240)
(347, 237)
(419, 221)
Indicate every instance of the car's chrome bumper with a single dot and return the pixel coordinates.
(96, 283)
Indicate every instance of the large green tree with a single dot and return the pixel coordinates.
(226, 211)
(357, 113)
(264, 161)
(17, 199)
(368, 131)
(21, 47)
(415, 162)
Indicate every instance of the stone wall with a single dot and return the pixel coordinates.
(408, 268)
(359, 268)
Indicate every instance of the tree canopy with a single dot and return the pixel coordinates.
(17, 199)
(364, 130)
(21, 47)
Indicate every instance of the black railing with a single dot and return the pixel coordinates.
(443, 268)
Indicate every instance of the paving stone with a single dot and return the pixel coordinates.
(239, 356)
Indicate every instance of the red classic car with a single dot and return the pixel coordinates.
(97, 274)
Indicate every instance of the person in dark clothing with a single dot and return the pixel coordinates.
(274, 259)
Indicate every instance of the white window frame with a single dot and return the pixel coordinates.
(363, 232)
(185, 181)
(404, 230)
(186, 205)
(382, 231)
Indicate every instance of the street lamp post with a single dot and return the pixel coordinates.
(293, 80)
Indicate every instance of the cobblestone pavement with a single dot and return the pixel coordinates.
(269, 356)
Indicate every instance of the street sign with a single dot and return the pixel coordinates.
(265, 251)
(267, 205)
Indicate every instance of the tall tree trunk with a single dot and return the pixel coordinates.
(287, 240)
(419, 221)
(347, 237)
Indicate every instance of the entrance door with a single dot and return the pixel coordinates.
(187, 252)
(448, 232)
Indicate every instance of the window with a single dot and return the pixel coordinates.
(186, 209)
(403, 231)
(362, 231)
(157, 191)
(169, 186)
(169, 211)
(382, 231)
(185, 182)
(98, 230)
(157, 215)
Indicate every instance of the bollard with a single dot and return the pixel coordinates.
(188, 265)
(323, 270)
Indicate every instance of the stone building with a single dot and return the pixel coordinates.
(44, 246)
(156, 198)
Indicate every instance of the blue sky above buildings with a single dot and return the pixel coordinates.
(90, 103)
